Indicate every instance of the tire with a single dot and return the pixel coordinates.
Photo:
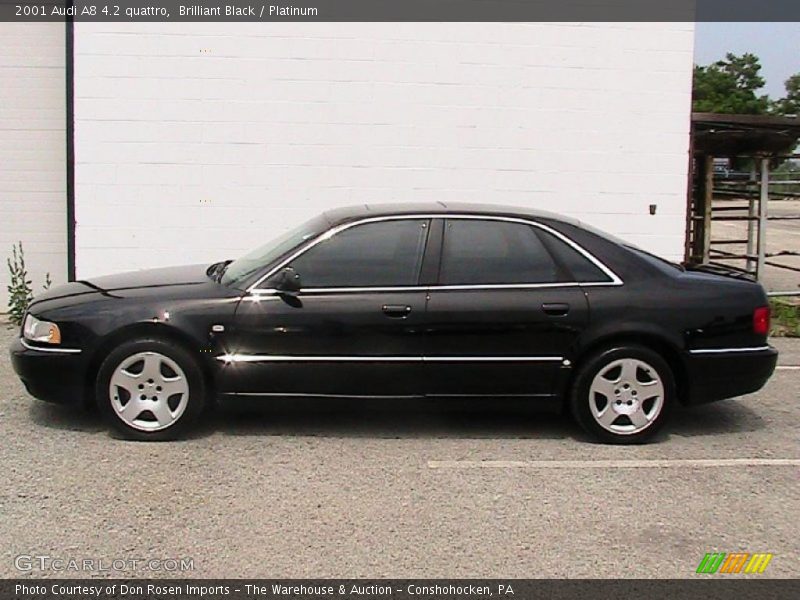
(633, 382)
(150, 390)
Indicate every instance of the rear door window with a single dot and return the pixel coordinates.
(489, 252)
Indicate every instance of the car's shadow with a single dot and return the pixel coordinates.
(727, 416)
(390, 418)
(66, 417)
(353, 418)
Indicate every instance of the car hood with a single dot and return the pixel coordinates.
(108, 284)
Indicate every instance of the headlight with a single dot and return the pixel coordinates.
(40, 331)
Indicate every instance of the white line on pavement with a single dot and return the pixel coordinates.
(614, 464)
(788, 367)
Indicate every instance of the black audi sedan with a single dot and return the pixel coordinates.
(406, 301)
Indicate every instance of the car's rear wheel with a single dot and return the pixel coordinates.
(622, 395)
(150, 389)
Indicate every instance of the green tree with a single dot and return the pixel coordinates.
(730, 86)
(790, 105)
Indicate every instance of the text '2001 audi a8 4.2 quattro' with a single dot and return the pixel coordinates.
(405, 301)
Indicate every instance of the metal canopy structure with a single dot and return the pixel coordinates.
(728, 136)
(754, 144)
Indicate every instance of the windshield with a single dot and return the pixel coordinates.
(247, 265)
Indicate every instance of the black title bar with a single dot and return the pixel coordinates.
(400, 10)
(707, 588)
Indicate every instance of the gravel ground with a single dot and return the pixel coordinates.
(344, 489)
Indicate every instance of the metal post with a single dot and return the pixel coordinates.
(708, 201)
(687, 238)
(751, 224)
(763, 201)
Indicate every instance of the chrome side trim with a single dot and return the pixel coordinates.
(492, 358)
(54, 350)
(428, 288)
(727, 350)
(311, 291)
(313, 395)
(507, 396)
(614, 278)
(377, 397)
(229, 358)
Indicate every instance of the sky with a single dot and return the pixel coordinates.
(776, 44)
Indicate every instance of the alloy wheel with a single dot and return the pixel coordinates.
(626, 396)
(149, 391)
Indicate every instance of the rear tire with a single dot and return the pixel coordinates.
(150, 390)
(623, 394)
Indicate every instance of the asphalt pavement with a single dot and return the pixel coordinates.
(399, 489)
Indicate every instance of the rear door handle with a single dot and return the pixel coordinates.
(555, 309)
(396, 311)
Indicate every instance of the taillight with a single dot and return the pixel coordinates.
(761, 320)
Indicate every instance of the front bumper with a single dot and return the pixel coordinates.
(726, 374)
(49, 375)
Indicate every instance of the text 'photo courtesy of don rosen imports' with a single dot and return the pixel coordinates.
(399, 300)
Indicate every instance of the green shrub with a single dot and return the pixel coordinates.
(20, 292)
(785, 317)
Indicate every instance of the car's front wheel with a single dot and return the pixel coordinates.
(150, 389)
(621, 395)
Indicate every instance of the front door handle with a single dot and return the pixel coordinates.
(555, 309)
(396, 311)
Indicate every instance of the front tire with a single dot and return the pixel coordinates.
(150, 390)
(622, 395)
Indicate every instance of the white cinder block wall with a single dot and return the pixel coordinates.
(33, 200)
(196, 142)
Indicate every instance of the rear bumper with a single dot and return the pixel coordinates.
(49, 375)
(719, 374)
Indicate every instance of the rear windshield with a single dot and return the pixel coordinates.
(658, 262)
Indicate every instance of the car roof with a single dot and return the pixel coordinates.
(363, 211)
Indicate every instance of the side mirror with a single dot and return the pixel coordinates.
(288, 282)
